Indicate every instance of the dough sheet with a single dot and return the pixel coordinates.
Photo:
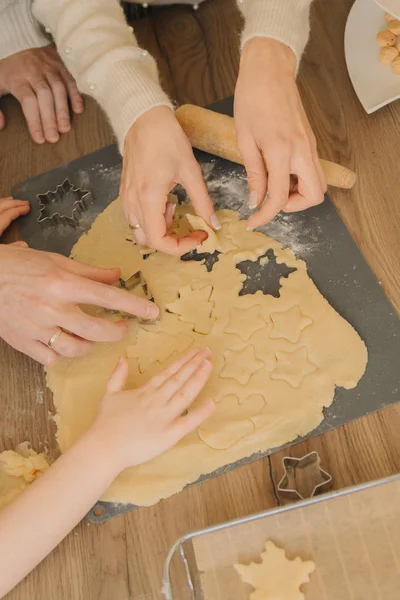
(277, 360)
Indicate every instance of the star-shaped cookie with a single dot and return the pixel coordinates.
(276, 577)
(289, 324)
(240, 364)
(292, 367)
(245, 321)
(194, 306)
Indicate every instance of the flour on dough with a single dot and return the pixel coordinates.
(276, 577)
(18, 469)
(275, 370)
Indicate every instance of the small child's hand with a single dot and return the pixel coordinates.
(143, 423)
(10, 210)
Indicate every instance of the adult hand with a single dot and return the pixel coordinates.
(40, 293)
(157, 156)
(141, 424)
(41, 83)
(10, 210)
(274, 134)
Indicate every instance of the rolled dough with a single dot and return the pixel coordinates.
(277, 360)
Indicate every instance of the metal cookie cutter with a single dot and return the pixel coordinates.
(64, 204)
(131, 283)
(303, 477)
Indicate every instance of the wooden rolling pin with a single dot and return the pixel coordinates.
(215, 133)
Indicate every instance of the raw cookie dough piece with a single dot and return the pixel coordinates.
(292, 366)
(244, 322)
(157, 347)
(289, 324)
(217, 240)
(241, 364)
(229, 423)
(332, 346)
(276, 577)
(194, 306)
(18, 469)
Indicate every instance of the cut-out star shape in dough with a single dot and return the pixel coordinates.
(156, 347)
(245, 321)
(276, 577)
(289, 324)
(240, 364)
(194, 306)
(292, 367)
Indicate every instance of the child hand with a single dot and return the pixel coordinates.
(10, 210)
(140, 424)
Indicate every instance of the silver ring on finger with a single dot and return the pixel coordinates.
(136, 226)
(54, 337)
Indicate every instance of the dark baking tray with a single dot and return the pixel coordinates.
(318, 235)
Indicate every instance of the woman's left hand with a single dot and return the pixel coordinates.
(273, 133)
(10, 210)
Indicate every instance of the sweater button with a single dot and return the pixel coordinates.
(68, 50)
(144, 53)
(196, 6)
(92, 86)
(47, 29)
(145, 5)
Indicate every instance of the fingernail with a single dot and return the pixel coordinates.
(215, 222)
(249, 228)
(206, 351)
(253, 198)
(152, 311)
(53, 136)
(39, 139)
(173, 209)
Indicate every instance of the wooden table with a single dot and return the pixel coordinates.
(198, 60)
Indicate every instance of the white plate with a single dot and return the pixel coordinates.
(374, 83)
(390, 6)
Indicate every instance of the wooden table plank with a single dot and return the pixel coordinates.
(198, 59)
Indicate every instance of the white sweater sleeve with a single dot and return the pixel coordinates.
(19, 30)
(287, 21)
(101, 52)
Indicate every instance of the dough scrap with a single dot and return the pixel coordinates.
(289, 324)
(19, 468)
(333, 346)
(194, 306)
(276, 577)
(293, 366)
(217, 240)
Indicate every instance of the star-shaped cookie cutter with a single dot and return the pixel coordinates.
(303, 477)
(129, 284)
(65, 197)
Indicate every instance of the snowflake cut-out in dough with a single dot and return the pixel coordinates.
(276, 577)
(289, 324)
(292, 367)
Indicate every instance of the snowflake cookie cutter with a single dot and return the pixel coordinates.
(303, 477)
(66, 198)
(131, 283)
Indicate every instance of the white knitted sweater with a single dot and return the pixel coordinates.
(101, 51)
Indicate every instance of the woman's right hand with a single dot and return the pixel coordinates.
(157, 156)
(40, 293)
(143, 423)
